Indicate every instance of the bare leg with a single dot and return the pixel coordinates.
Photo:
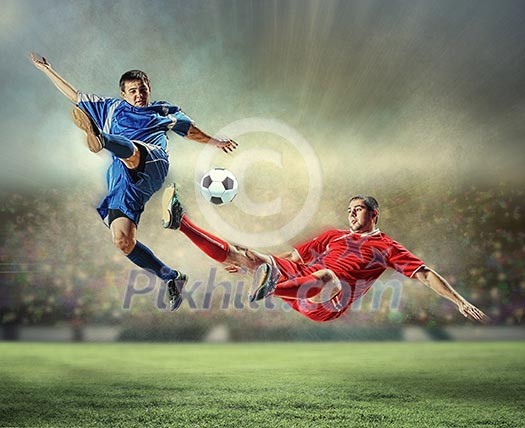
(245, 258)
(318, 287)
(220, 250)
(124, 233)
(331, 286)
(134, 160)
(236, 257)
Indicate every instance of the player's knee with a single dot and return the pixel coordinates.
(326, 275)
(133, 161)
(124, 244)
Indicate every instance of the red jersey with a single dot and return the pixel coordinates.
(356, 259)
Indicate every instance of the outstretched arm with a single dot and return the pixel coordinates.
(437, 283)
(63, 86)
(225, 144)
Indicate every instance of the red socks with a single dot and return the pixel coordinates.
(218, 249)
(214, 247)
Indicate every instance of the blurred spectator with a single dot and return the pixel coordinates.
(52, 272)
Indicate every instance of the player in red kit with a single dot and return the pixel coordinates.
(321, 277)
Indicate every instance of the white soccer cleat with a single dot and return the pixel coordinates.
(172, 209)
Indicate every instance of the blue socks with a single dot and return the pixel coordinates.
(143, 257)
(121, 147)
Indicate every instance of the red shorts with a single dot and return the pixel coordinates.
(319, 312)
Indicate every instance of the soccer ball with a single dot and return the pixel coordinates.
(219, 186)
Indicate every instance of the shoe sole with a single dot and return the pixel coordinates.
(167, 196)
(264, 278)
(84, 122)
(179, 302)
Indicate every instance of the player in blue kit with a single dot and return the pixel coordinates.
(134, 130)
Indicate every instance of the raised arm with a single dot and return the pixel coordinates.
(225, 144)
(63, 86)
(439, 285)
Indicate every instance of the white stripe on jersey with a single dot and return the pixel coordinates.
(107, 123)
(86, 98)
(157, 160)
(173, 121)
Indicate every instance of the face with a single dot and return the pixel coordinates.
(136, 92)
(361, 219)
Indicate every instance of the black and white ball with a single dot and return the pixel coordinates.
(219, 186)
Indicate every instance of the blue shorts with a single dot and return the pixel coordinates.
(128, 195)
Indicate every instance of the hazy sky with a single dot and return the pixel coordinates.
(323, 96)
(392, 81)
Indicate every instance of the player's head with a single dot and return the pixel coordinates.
(135, 88)
(363, 213)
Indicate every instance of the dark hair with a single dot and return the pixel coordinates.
(370, 203)
(131, 75)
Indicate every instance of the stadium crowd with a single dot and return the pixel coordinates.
(53, 272)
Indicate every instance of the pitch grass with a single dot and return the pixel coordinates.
(269, 385)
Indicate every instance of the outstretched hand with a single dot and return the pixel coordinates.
(235, 269)
(39, 61)
(225, 144)
(470, 311)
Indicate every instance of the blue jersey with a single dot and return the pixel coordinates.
(147, 124)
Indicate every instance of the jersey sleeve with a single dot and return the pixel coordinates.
(310, 249)
(182, 123)
(96, 107)
(403, 260)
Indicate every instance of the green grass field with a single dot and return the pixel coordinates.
(274, 385)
